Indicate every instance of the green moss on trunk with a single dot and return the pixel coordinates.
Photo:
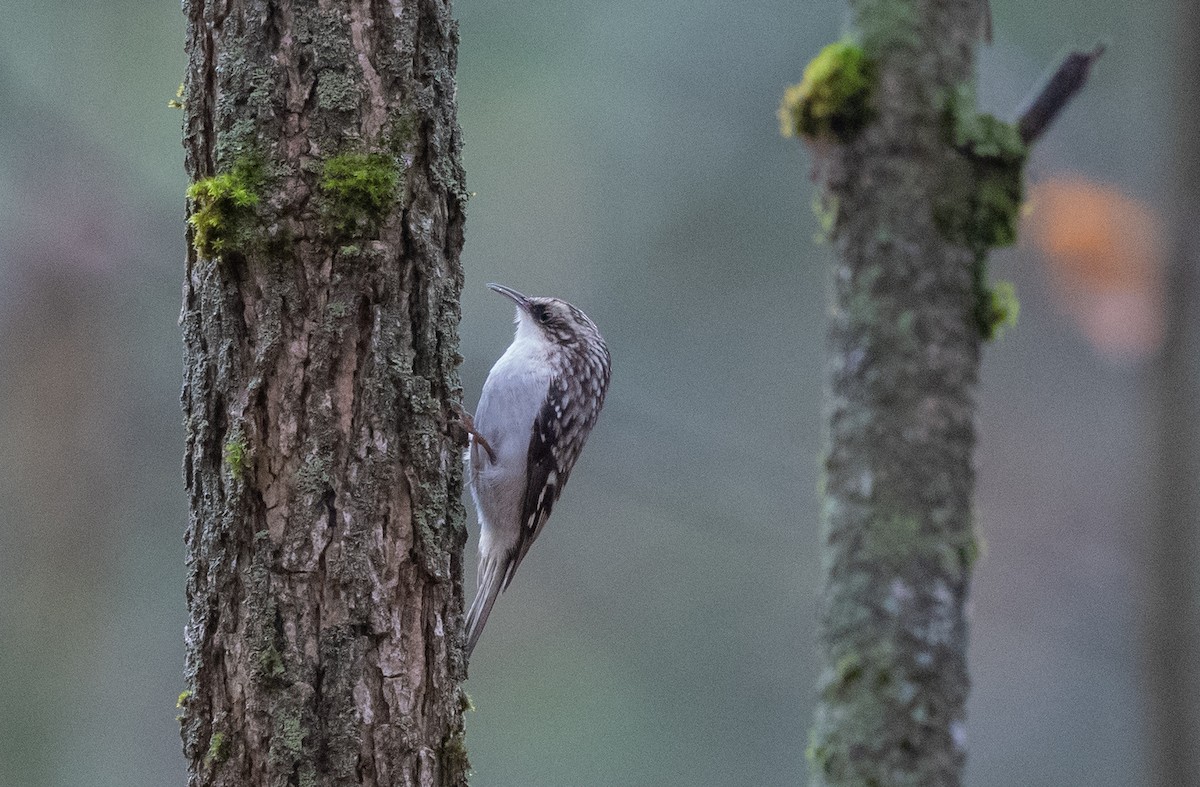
(358, 190)
(833, 101)
(223, 216)
(911, 192)
(324, 546)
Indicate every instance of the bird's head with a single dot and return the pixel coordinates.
(550, 320)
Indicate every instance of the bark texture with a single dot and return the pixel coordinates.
(904, 349)
(320, 314)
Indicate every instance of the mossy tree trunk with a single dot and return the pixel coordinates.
(907, 185)
(321, 304)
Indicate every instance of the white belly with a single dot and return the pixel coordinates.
(512, 397)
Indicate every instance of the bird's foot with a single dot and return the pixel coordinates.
(468, 423)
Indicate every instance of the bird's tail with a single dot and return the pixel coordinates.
(491, 580)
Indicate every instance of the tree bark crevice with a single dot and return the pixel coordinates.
(326, 533)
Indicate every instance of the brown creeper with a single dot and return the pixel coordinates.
(538, 405)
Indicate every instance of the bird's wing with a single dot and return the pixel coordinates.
(546, 474)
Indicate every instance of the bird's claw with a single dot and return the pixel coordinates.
(468, 424)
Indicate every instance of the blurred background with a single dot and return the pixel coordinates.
(625, 156)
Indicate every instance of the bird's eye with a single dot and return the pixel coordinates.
(544, 316)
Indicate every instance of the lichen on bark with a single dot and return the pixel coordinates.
(904, 351)
(326, 531)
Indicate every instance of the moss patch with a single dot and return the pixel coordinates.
(269, 663)
(358, 191)
(863, 684)
(982, 210)
(997, 308)
(454, 754)
(235, 455)
(218, 750)
(832, 101)
(223, 208)
(825, 207)
(998, 156)
(983, 214)
(972, 551)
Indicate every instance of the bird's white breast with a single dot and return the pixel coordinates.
(512, 396)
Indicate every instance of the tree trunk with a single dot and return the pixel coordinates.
(1173, 655)
(904, 348)
(320, 314)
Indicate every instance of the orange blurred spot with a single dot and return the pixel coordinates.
(1105, 254)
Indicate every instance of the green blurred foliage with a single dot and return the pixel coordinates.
(625, 156)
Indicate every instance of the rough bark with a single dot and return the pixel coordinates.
(904, 349)
(1173, 656)
(320, 323)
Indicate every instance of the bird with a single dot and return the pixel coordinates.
(537, 408)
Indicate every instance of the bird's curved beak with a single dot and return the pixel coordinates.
(516, 297)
